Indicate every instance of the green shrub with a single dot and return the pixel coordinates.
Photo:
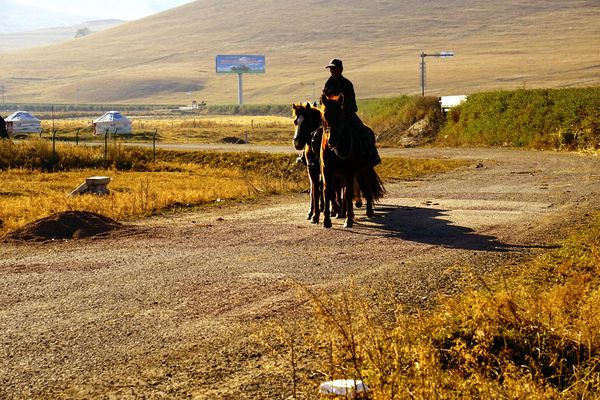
(539, 118)
(391, 117)
(249, 109)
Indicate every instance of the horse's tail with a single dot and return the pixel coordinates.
(371, 184)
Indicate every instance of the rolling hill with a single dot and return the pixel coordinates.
(170, 57)
(46, 36)
(19, 16)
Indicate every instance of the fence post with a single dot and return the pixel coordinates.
(53, 149)
(106, 148)
(77, 137)
(154, 146)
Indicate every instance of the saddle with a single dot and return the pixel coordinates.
(365, 141)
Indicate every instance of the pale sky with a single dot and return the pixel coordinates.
(105, 9)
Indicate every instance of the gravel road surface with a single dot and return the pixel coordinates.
(168, 307)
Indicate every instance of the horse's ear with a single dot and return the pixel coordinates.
(308, 105)
(323, 98)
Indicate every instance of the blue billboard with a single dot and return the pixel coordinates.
(240, 64)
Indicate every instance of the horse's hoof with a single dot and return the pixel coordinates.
(308, 217)
(327, 224)
(370, 213)
(348, 224)
(314, 221)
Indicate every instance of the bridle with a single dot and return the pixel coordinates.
(310, 138)
(334, 148)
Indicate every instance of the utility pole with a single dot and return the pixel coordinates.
(443, 54)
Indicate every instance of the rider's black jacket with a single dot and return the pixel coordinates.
(342, 85)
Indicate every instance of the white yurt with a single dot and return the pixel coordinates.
(21, 122)
(113, 122)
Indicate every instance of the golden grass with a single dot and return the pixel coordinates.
(532, 334)
(27, 196)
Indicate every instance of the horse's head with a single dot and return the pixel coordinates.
(333, 117)
(307, 120)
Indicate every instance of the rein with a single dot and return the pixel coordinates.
(335, 150)
(315, 159)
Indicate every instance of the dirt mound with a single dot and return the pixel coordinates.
(233, 140)
(65, 225)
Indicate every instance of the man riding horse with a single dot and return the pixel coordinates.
(338, 84)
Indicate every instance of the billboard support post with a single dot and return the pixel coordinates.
(239, 65)
(240, 90)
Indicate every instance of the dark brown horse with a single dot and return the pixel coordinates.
(307, 138)
(341, 157)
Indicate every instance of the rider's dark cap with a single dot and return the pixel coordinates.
(335, 63)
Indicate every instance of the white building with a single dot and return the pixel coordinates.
(447, 102)
(112, 122)
(21, 122)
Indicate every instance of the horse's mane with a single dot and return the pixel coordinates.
(302, 109)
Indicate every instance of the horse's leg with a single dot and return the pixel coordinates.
(348, 202)
(367, 182)
(339, 198)
(311, 205)
(315, 194)
(321, 196)
(358, 195)
(335, 209)
(328, 190)
(370, 211)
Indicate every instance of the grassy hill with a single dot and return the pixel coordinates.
(48, 36)
(170, 57)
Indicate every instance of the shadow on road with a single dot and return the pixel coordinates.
(427, 225)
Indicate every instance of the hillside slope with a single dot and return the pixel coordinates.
(170, 57)
(20, 16)
(49, 36)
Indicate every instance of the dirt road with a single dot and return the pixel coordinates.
(168, 308)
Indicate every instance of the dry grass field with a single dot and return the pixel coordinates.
(27, 196)
(143, 184)
(256, 129)
(170, 57)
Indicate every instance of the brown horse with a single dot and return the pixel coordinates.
(307, 137)
(341, 157)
